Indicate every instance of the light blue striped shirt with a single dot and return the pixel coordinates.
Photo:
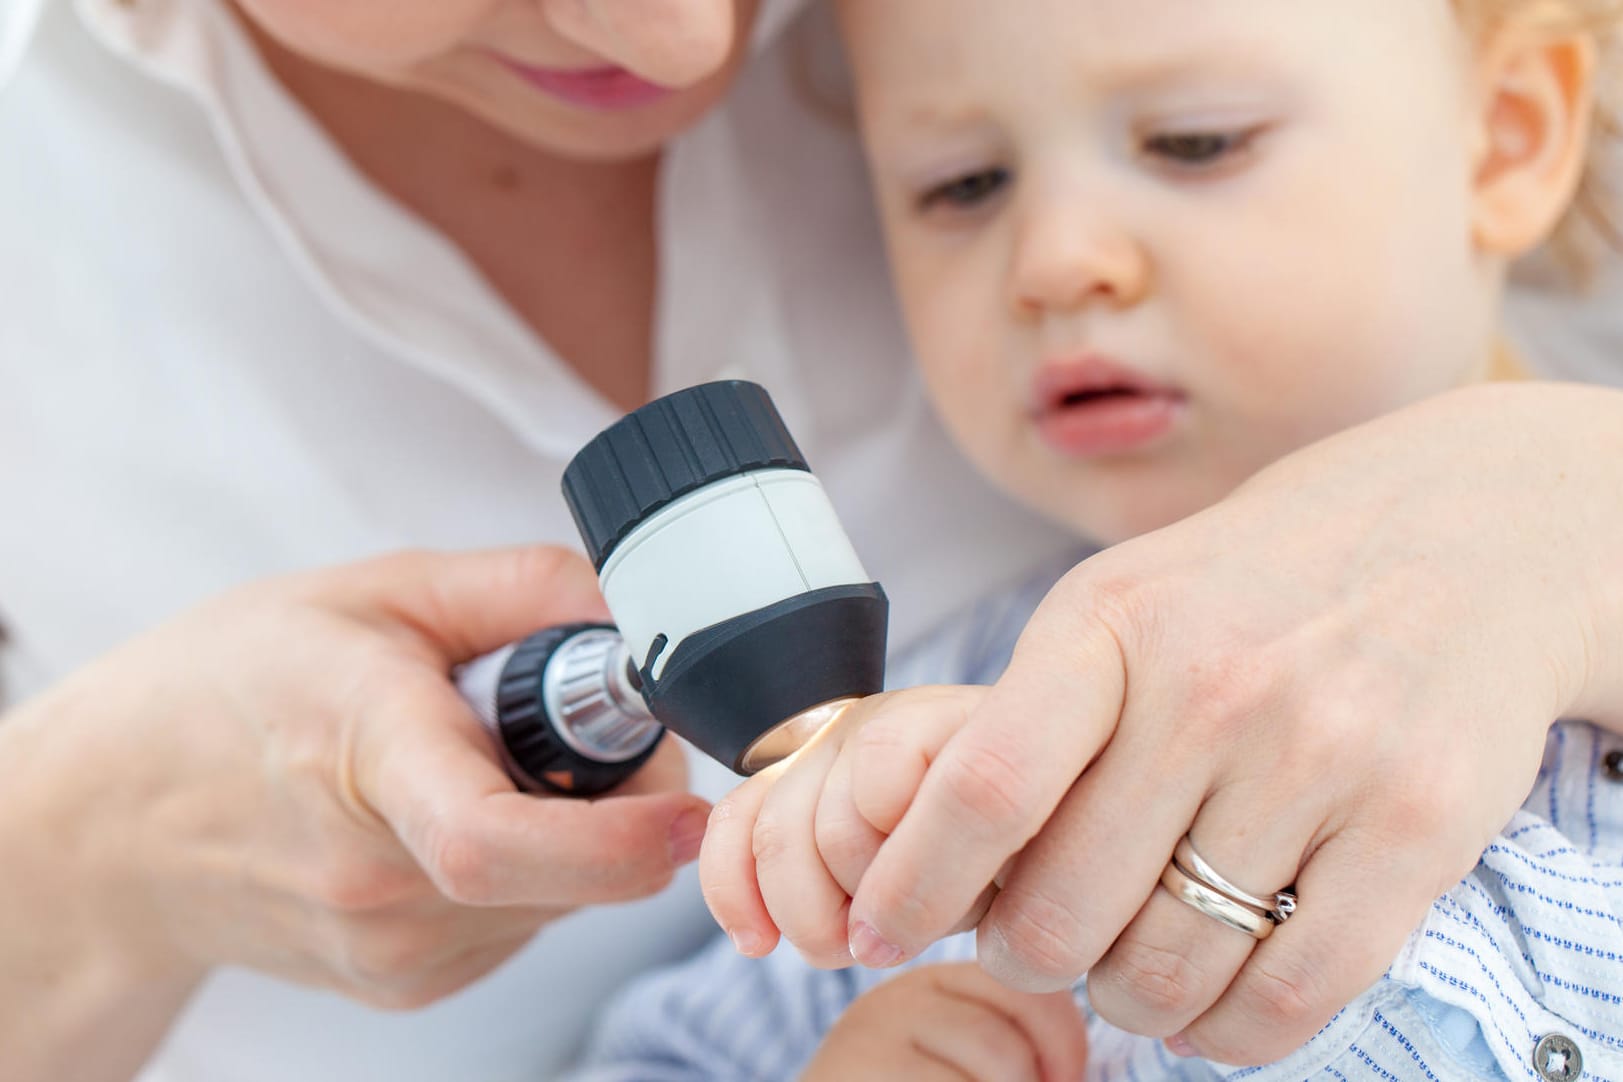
(1529, 945)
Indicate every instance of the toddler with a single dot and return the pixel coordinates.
(1146, 248)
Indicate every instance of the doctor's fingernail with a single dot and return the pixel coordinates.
(687, 833)
(869, 949)
(745, 942)
(1179, 1045)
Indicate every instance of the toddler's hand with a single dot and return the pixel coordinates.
(785, 851)
(952, 1023)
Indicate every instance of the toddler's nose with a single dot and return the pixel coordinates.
(1071, 254)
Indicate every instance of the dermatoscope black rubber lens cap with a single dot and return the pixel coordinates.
(725, 687)
(673, 446)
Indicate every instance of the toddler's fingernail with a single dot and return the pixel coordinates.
(1179, 1045)
(745, 942)
(687, 833)
(872, 951)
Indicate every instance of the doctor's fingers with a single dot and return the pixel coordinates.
(994, 784)
(426, 767)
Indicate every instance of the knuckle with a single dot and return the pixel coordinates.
(1161, 987)
(1353, 707)
(1292, 1002)
(884, 736)
(988, 789)
(722, 897)
(1417, 809)
(364, 887)
(1291, 999)
(883, 776)
(771, 840)
(847, 853)
(1408, 808)
(460, 867)
(1042, 941)
(905, 908)
(1227, 691)
(1126, 596)
(879, 803)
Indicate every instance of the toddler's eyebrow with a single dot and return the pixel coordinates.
(947, 116)
(1196, 70)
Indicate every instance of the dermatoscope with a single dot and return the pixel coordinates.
(743, 619)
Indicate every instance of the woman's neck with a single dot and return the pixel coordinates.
(569, 245)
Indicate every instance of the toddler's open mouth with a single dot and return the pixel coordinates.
(1091, 406)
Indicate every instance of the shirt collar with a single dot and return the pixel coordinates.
(349, 239)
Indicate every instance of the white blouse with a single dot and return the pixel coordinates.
(224, 354)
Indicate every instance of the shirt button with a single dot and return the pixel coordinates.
(1557, 1059)
(1613, 764)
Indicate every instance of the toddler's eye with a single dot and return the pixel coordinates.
(967, 191)
(1197, 149)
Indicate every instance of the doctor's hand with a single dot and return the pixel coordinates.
(286, 779)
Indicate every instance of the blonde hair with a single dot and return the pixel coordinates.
(1593, 227)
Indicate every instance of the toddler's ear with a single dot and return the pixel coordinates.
(1535, 98)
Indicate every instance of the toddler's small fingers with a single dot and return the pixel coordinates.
(846, 840)
(727, 869)
(898, 742)
(804, 899)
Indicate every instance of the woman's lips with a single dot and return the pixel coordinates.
(1094, 407)
(603, 89)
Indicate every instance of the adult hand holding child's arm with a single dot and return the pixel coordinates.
(1340, 677)
(286, 779)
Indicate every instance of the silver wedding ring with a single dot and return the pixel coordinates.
(1278, 908)
(1194, 882)
(1220, 907)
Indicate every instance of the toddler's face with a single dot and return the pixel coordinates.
(588, 78)
(1146, 247)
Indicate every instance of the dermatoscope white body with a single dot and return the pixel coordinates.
(745, 617)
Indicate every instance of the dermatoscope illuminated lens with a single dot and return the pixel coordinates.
(746, 620)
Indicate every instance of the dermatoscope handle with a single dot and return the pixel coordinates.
(565, 710)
